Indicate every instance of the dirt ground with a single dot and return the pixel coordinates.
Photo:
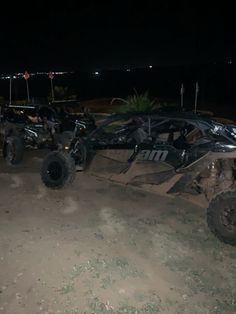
(98, 247)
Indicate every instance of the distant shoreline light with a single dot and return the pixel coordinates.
(20, 75)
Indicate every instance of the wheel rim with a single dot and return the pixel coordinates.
(228, 218)
(55, 170)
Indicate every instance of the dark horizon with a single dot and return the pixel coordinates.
(184, 42)
(111, 34)
(216, 85)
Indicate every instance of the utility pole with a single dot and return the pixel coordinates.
(26, 76)
(196, 97)
(51, 76)
(182, 96)
(10, 90)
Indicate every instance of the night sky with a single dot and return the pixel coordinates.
(94, 35)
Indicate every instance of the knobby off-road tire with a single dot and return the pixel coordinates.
(13, 150)
(221, 217)
(58, 170)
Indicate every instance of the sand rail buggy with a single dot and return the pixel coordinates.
(26, 126)
(36, 126)
(182, 154)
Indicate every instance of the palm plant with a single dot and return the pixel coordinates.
(136, 103)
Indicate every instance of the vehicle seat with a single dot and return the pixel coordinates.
(181, 142)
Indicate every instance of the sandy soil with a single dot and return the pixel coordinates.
(98, 247)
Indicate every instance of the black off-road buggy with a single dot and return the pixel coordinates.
(182, 154)
(37, 126)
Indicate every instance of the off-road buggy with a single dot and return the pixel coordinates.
(37, 126)
(181, 153)
(70, 111)
(26, 126)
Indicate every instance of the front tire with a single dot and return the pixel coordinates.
(58, 170)
(221, 217)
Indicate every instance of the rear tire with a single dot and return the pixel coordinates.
(58, 170)
(221, 217)
(13, 150)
